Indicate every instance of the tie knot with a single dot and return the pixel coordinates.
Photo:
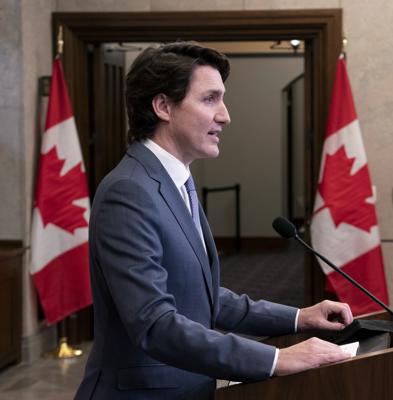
(189, 184)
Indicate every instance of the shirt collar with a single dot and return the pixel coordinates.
(175, 168)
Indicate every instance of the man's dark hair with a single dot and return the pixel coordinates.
(168, 70)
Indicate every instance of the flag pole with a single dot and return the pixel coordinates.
(344, 47)
(63, 350)
(60, 41)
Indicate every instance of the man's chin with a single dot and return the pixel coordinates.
(210, 153)
(214, 152)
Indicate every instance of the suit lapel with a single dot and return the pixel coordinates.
(171, 196)
(183, 217)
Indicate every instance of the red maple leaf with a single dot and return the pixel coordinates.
(55, 193)
(345, 194)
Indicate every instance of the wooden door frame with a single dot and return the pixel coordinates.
(320, 29)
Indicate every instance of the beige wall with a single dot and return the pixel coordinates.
(37, 48)
(26, 25)
(11, 112)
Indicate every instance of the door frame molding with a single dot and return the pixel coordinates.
(321, 29)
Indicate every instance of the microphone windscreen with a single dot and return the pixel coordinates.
(284, 227)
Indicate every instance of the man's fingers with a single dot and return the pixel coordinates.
(308, 354)
(341, 310)
(348, 317)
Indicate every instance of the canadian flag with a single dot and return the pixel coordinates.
(59, 249)
(344, 225)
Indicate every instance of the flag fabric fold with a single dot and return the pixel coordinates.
(59, 237)
(344, 224)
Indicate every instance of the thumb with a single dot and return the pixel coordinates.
(335, 325)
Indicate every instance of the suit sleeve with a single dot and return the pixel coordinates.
(127, 245)
(238, 313)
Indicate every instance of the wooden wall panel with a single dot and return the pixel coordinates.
(10, 302)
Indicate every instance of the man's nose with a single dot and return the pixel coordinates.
(222, 115)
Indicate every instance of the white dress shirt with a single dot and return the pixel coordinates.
(178, 172)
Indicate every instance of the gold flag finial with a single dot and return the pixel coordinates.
(60, 41)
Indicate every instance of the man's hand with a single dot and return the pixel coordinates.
(327, 315)
(306, 355)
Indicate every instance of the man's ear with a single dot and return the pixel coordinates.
(162, 107)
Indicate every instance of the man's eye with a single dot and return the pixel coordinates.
(209, 99)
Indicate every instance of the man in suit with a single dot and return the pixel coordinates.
(154, 266)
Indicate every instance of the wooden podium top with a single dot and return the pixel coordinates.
(365, 377)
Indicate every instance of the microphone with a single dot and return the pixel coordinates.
(288, 230)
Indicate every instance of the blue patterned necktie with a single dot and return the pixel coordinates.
(193, 197)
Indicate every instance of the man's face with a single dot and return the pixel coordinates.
(195, 123)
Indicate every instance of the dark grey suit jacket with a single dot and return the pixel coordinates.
(157, 298)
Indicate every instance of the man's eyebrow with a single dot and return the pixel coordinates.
(215, 92)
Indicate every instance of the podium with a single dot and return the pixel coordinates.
(364, 377)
